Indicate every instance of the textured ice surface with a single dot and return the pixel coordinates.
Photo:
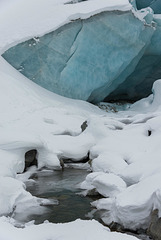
(148, 69)
(85, 59)
(154, 4)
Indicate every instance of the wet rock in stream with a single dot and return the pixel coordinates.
(30, 159)
(154, 229)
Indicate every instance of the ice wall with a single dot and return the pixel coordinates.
(148, 69)
(154, 4)
(90, 59)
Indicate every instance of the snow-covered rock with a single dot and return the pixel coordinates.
(109, 162)
(13, 192)
(109, 185)
(133, 206)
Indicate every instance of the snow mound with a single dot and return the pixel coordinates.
(107, 185)
(79, 229)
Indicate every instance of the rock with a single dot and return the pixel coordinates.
(116, 227)
(62, 164)
(30, 158)
(93, 192)
(154, 230)
(84, 126)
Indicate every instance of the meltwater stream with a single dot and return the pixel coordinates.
(64, 187)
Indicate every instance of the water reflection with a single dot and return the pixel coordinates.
(63, 186)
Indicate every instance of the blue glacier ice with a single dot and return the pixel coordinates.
(154, 4)
(111, 54)
(148, 69)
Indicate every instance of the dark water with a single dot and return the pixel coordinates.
(63, 186)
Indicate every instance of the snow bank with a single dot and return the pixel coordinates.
(108, 162)
(138, 144)
(107, 185)
(133, 206)
(151, 103)
(79, 229)
(25, 19)
(13, 192)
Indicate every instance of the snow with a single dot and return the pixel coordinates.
(90, 230)
(125, 159)
(135, 202)
(26, 19)
(124, 147)
(108, 185)
(103, 163)
(34, 118)
(13, 192)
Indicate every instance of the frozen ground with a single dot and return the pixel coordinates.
(124, 148)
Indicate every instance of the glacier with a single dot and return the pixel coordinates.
(148, 70)
(123, 145)
(107, 55)
(154, 4)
